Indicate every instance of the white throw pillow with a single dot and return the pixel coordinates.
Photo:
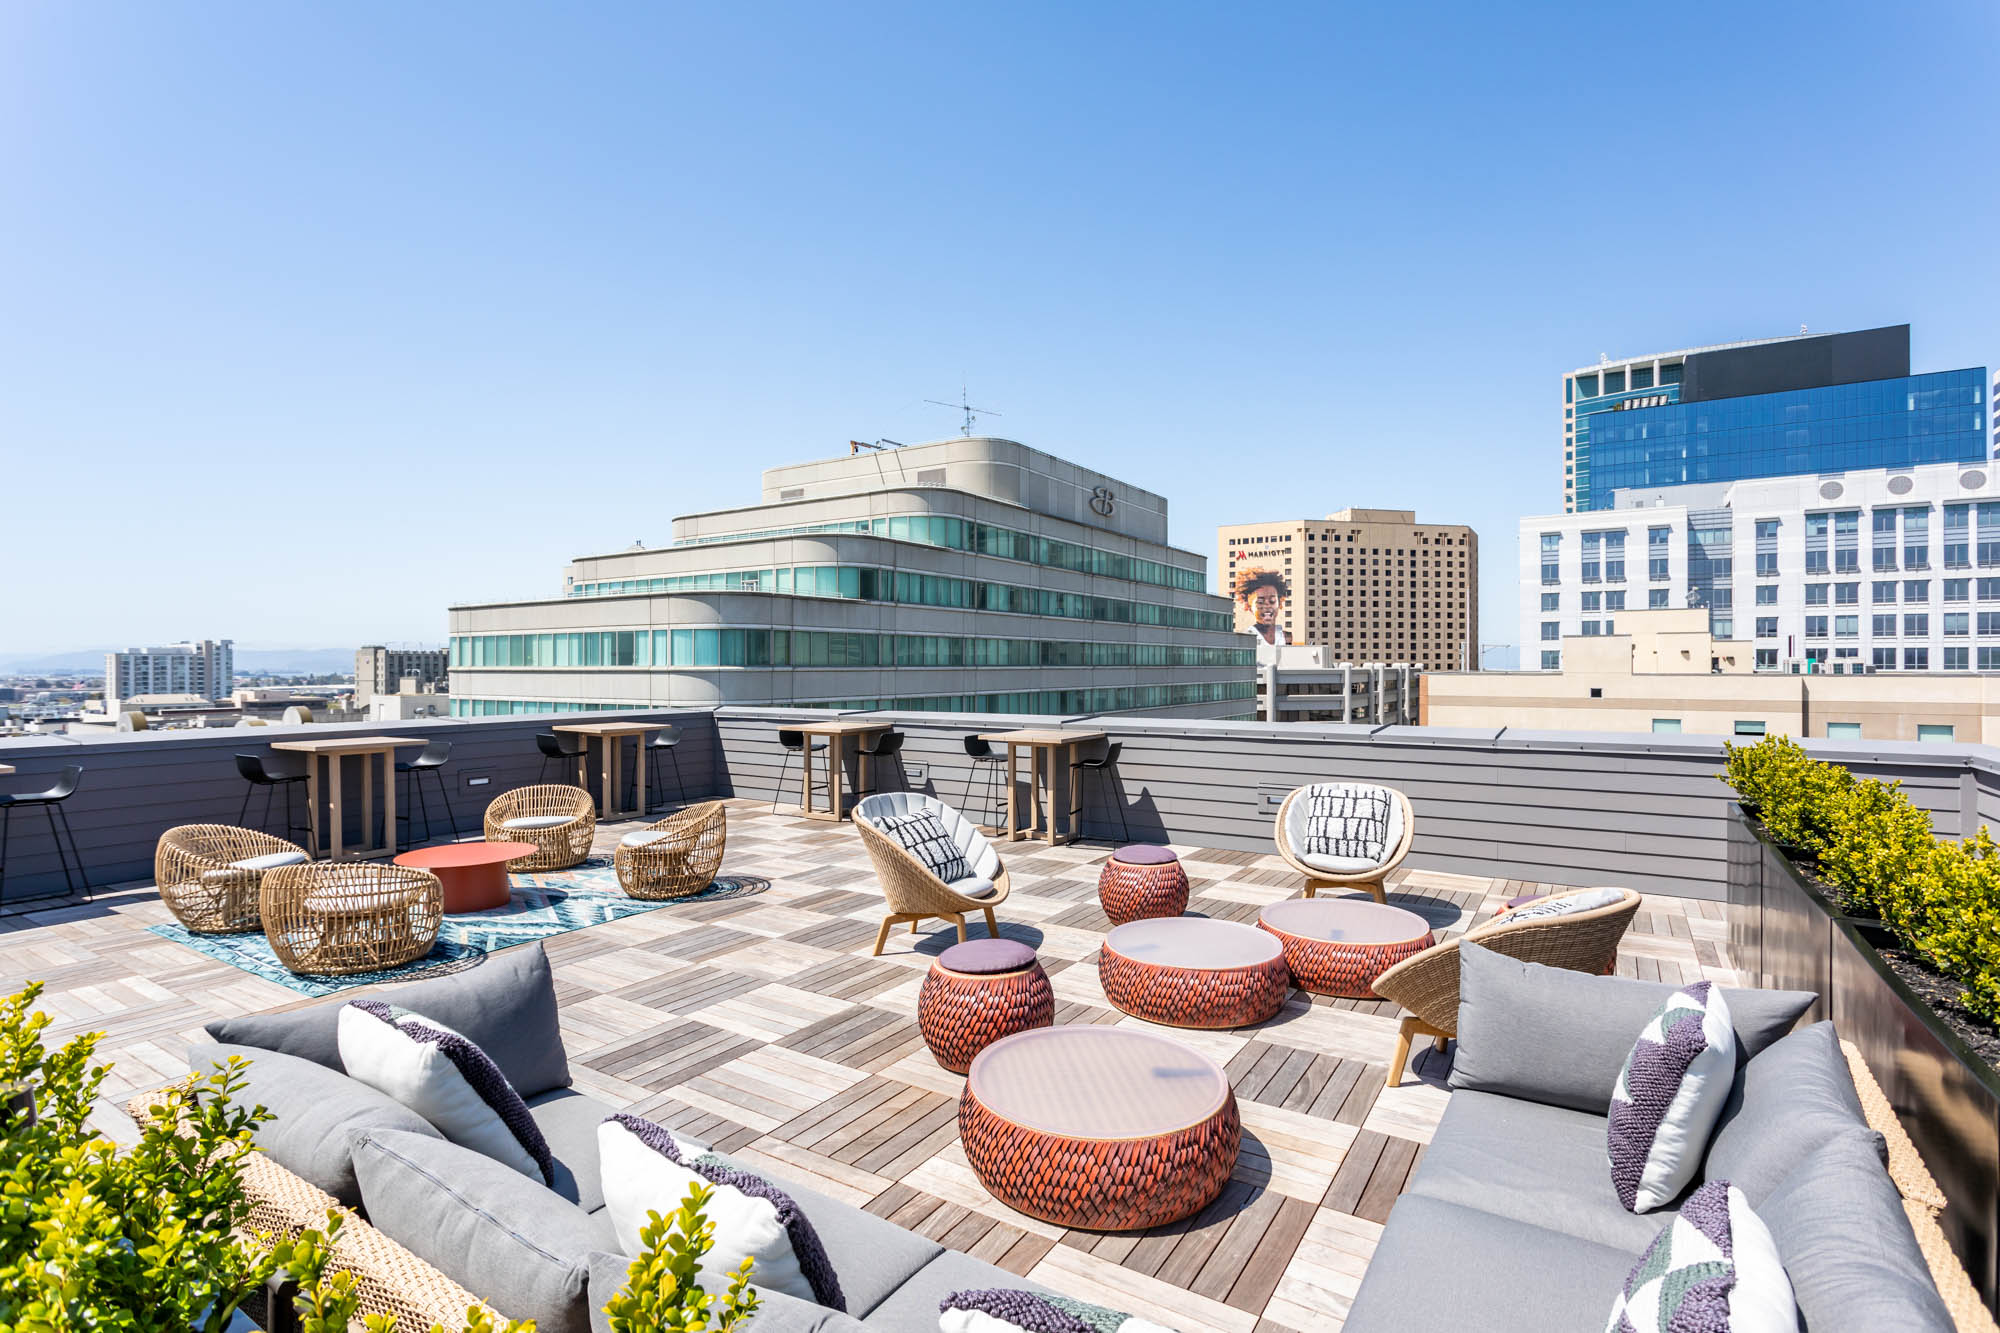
(1713, 1266)
(1011, 1310)
(444, 1077)
(647, 1169)
(1669, 1096)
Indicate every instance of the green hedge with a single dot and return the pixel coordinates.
(1940, 898)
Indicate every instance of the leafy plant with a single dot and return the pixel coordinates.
(661, 1294)
(329, 1299)
(1798, 797)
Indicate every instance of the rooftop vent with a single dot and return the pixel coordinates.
(931, 476)
(792, 493)
(1901, 485)
(1972, 480)
(1831, 490)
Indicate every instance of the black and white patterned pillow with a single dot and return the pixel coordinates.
(1347, 821)
(924, 836)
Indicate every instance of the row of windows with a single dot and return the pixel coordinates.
(895, 585)
(1104, 699)
(806, 648)
(1835, 731)
(963, 534)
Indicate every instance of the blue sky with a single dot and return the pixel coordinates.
(319, 318)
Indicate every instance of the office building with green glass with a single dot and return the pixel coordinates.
(967, 575)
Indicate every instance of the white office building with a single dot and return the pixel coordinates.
(1879, 570)
(204, 667)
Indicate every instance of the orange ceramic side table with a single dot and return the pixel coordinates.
(473, 874)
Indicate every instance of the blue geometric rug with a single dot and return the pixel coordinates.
(540, 905)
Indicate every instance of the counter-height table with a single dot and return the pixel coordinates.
(611, 737)
(1044, 747)
(839, 732)
(334, 749)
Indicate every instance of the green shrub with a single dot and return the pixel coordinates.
(1877, 842)
(661, 1295)
(1798, 797)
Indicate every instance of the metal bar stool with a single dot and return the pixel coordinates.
(1102, 766)
(431, 759)
(794, 743)
(279, 768)
(663, 742)
(562, 749)
(878, 746)
(984, 755)
(51, 802)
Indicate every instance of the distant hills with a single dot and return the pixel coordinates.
(257, 661)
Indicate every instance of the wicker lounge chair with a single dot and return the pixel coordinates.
(336, 918)
(914, 894)
(1332, 872)
(209, 874)
(559, 819)
(1427, 984)
(675, 857)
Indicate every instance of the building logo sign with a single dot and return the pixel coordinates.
(1100, 501)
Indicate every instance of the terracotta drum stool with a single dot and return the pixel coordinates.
(1142, 881)
(978, 992)
(1099, 1128)
(1338, 946)
(1191, 972)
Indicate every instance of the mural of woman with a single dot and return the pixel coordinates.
(1261, 594)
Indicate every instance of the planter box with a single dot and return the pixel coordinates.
(1779, 917)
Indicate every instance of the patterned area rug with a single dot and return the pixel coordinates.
(540, 905)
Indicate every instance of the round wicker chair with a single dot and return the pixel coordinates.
(675, 857)
(1402, 828)
(333, 918)
(913, 893)
(558, 819)
(1427, 984)
(197, 871)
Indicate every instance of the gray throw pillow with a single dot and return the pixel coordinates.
(522, 1248)
(1788, 1101)
(317, 1114)
(924, 836)
(1550, 1035)
(506, 1006)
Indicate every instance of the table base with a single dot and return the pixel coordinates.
(1331, 967)
(1190, 997)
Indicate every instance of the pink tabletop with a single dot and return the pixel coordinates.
(1344, 921)
(1092, 1082)
(454, 855)
(1193, 941)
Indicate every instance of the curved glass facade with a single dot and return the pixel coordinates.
(816, 648)
(1105, 699)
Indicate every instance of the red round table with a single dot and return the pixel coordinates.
(1338, 946)
(473, 874)
(1141, 882)
(1193, 972)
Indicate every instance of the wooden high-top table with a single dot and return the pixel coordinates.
(611, 738)
(838, 732)
(364, 748)
(1043, 747)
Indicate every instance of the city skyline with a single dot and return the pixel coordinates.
(394, 285)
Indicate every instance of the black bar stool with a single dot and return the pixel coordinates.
(429, 760)
(51, 802)
(1103, 766)
(563, 749)
(794, 743)
(983, 755)
(663, 742)
(882, 745)
(277, 769)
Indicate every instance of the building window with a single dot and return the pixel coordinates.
(1551, 661)
(1916, 590)
(1767, 563)
(1847, 561)
(1551, 557)
(1815, 627)
(1934, 731)
(1916, 626)
(1767, 594)
(1767, 627)
(1954, 658)
(1816, 594)
(1885, 559)
(1667, 726)
(1847, 627)
(1884, 592)
(1551, 631)
(1749, 728)
(1656, 569)
(1989, 659)
(1958, 590)
(1885, 627)
(1551, 601)
(1767, 528)
(1843, 731)
(1846, 594)
(1590, 629)
(1957, 624)
(1767, 659)
(1916, 659)
(1656, 599)
(1592, 601)
(1614, 601)
(1885, 659)
(1989, 590)
(1884, 523)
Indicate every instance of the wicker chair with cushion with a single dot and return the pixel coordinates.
(675, 857)
(1343, 835)
(336, 918)
(209, 874)
(914, 890)
(1578, 930)
(558, 819)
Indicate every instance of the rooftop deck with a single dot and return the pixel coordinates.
(759, 1023)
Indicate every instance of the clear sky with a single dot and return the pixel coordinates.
(316, 318)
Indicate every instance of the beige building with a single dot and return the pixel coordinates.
(1663, 672)
(1370, 585)
(383, 670)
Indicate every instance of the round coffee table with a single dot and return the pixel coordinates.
(1141, 882)
(1191, 972)
(474, 874)
(978, 992)
(1338, 946)
(1099, 1128)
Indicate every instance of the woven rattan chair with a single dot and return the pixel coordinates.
(1427, 985)
(196, 867)
(913, 893)
(676, 857)
(558, 819)
(1323, 872)
(335, 918)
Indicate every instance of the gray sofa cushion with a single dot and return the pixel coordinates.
(913, 1308)
(1787, 1102)
(317, 1114)
(1551, 1035)
(506, 1006)
(1441, 1268)
(1848, 1248)
(1531, 1162)
(777, 1312)
(515, 1244)
(569, 1119)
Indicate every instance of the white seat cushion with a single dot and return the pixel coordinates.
(980, 855)
(1336, 843)
(972, 886)
(645, 837)
(270, 861)
(537, 821)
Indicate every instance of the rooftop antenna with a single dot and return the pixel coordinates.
(964, 406)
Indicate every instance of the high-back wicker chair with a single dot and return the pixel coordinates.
(560, 820)
(675, 857)
(1330, 872)
(913, 893)
(209, 874)
(336, 918)
(1427, 984)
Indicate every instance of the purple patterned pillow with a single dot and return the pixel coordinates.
(1008, 1310)
(445, 1078)
(1713, 1268)
(1668, 1097)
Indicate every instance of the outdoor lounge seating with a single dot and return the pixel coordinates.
(674, 857)
(1345, 836)
(914, 891)
(560, 820)
(337, 918)
(209, 874)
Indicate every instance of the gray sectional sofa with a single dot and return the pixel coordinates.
(1510, 1221)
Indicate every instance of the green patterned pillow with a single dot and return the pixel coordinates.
(1712, 1269)
(1006, 1310)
